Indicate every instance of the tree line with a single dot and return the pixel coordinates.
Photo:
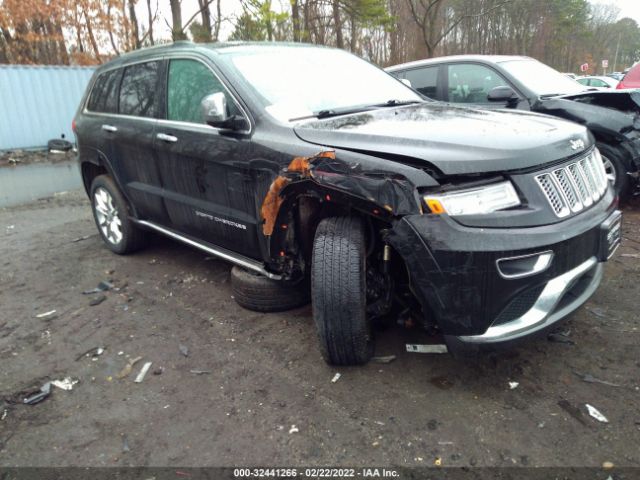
(561, 33)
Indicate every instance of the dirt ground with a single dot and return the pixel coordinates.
(268, 398)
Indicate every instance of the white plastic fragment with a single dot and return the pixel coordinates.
(336, 377)
(4, 414)
(293, 429)
(143, 371)
(45, 314)
(593, 411)
(64, 384)
(513, 385)
(414, 348)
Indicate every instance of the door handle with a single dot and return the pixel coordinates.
(109, 128)
(166, 138)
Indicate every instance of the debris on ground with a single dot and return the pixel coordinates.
(125, 444)
(64, 384)
(513, 385)
(158, 371)
(293, 429)
(559, 337)
(38, 396)
(143, 371)
(93, 352)
(587, 377)
(598, 312)
(630, 255)
(384, 359)
(430, 348)
(336, 377)
(45, 314)
(593, 411)
(607, 465)
(5, 412)
(102, 287)
(97, 300)
(184, 350)
(200, 372)
(128, 367)
(572, 410)
(80, 239)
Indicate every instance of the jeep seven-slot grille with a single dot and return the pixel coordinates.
(576, 186)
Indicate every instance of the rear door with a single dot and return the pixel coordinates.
(132, 131)
(208, 187)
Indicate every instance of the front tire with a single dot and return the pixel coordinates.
(338, 291)
(111, 214)
(615, 169)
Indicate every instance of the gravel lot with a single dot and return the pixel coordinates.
(268, 398)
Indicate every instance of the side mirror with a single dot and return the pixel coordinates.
(214, 109)
(502, 94)
(406, 82)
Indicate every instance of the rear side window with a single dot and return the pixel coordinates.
(424, 80)
(138, 91)
(104, 96)
(189, 82)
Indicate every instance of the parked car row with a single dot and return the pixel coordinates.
(484, 225)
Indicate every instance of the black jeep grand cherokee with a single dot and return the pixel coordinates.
(297, 162)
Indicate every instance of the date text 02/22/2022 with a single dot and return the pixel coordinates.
(315, 473)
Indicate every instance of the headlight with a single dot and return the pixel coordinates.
(474, 201)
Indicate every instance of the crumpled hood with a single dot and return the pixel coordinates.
(455, 140)
(617, 111)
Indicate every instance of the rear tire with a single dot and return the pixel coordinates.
(261, 294)
(338, 291)
(111, 214)
(615, 168)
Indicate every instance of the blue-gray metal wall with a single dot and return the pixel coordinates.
(37, 103)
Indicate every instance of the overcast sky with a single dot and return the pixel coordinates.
(232, 9)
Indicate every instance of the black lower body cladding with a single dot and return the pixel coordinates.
(455, 274)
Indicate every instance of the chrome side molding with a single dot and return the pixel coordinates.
(219, 252)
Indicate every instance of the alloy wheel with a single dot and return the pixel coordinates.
(107, 216)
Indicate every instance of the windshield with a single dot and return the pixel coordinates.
(541, 79)
(297, 82)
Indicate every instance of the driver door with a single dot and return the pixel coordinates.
(207, 187)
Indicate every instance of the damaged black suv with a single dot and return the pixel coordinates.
(299, 163)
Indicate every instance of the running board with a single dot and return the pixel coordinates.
(219, 252)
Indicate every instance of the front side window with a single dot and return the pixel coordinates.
(138, 92)
(424, 80)
(189, 82)
(471, 83)
(104, 96)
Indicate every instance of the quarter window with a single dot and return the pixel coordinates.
(470, 83)
(424, 80)
(138, 92)
(104, 96)
(189, 82)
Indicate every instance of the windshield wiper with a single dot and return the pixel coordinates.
(333, 112)
(396, 103)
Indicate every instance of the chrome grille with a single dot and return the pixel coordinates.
(576, 186)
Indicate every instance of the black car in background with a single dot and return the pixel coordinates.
(497, 81)
(316, 173)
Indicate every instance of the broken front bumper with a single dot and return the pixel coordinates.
(492, 286)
